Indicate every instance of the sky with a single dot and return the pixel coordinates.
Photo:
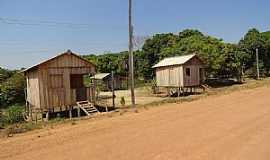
(33, 30)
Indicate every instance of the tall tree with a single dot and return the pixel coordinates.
(253, 40)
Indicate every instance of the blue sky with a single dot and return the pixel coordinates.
(32, 30)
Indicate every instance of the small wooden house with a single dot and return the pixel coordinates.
(57, 84)
(181, 71)
(104, 80)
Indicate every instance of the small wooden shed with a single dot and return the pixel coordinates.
(105, 80)
(180, 71)
(57, 84)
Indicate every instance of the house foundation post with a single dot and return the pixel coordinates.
(70, 112)
(47, 116)
(79, 112)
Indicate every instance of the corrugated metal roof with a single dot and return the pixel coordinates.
(100, 76)
(179, 60)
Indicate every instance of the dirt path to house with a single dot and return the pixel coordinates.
(229, 127)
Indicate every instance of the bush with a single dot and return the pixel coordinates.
(12, 90)
(14, 114)
(2, 120)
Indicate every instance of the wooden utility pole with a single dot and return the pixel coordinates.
(131, 62)
(257, 63)
(113, 93)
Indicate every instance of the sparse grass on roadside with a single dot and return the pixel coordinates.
(249, 84)
(17, 128)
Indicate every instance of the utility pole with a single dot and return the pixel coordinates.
(113, 93)
(257, 63)
(131, 65)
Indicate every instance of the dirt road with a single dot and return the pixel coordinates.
(229, 127)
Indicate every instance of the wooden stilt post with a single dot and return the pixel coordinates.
(70, 112)
(42, 115)
(47, 116)
(113, 93)
(107, 109)
(66, 111)
(36, 117)
(94, 92)
(79, 111)
(31, 114)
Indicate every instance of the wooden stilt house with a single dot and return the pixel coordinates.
(104, 81)
(57, 84)
(180, 72)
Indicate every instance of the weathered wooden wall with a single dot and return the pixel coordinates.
(175, 76)
(33, 89)
(50, 88)
(169, 76)
(194, 79)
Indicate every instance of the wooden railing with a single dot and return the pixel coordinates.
(90, 95)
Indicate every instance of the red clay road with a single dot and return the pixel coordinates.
(228, 127)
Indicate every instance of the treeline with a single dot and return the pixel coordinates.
(221, 59)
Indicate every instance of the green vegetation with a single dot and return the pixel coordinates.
(12, 90)
(221, 59)
(267, 34)
(12, 84)
(13, 114)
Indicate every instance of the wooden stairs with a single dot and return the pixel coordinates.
(205, 87)
(87, 107)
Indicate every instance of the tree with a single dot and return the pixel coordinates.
(253, 40)
(232, 64)
(5, 74)
(152, 49)
(192, 41)
(221, 59)
(12, 90)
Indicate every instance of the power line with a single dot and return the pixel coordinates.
(38, 22)
(25, 22)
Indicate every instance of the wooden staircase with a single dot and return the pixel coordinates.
(205, 87)
(87, 107)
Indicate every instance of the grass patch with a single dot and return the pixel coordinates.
(11, 115)
(17, 128)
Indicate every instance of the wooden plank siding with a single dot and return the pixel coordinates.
(176, 75)
(193, 79)
(169, 76)
(49, 83)
(33, 89)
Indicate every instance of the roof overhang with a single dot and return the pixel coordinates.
(172, 61)
(68, 52)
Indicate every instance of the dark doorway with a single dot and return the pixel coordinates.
(81, 94)
(77, 83)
